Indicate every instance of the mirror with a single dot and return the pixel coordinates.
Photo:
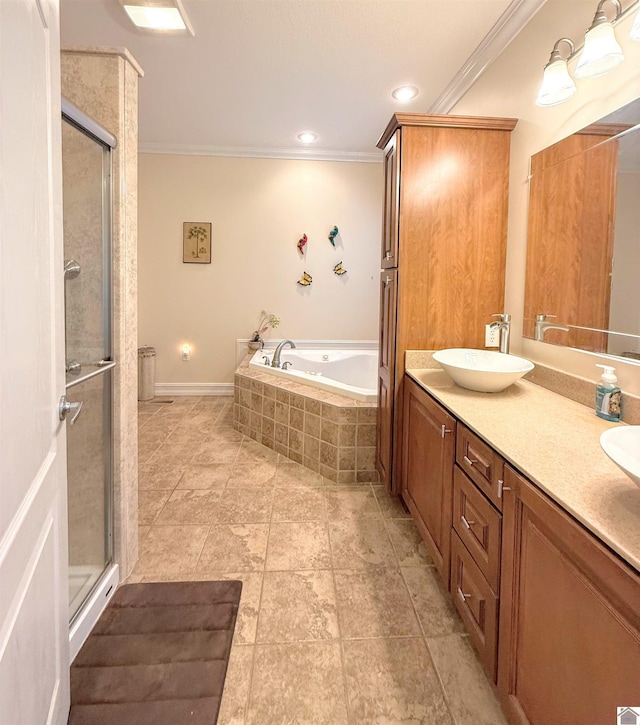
(583, 245)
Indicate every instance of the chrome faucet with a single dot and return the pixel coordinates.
(503, 325)
(275, 362)
(542, 326)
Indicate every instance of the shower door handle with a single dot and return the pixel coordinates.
(66, 408)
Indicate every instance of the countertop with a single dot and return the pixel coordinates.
(554, 442)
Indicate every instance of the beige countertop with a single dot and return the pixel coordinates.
(554, 442)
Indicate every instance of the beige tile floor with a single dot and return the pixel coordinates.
(342, 617)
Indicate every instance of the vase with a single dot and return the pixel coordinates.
(255, 345)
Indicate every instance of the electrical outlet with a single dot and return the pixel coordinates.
(491, 336)
(186, 353)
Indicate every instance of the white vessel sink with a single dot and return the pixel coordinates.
(483, 370)
(622, 445)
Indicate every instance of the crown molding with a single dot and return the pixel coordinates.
(508, 25)
(248, 152)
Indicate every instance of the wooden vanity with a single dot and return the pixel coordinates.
(536, 534)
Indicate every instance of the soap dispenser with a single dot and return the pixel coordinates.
(608, 395)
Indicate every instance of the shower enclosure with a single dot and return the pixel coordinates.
(87, 404)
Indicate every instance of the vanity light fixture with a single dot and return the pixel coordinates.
(599, 54)
(557, 85)
(158, 15)
(404, 94)
(307, 137)
(601, 51)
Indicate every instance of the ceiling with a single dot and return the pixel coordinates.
(258, 72)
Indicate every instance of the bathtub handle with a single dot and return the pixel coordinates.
(266, 359)
(285, 363)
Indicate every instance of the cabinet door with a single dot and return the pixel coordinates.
(569, 647)
(386, 374)
(427, 471)
(391, 202)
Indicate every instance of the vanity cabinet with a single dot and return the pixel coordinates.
(553, 614)
(444, 239)
(570, 617)
(429, 451)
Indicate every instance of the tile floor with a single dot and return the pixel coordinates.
(342, 617)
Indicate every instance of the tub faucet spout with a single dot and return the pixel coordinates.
(275, 362)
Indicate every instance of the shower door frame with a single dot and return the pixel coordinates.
(83, 620)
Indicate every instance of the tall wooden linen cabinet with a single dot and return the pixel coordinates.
(443, 249)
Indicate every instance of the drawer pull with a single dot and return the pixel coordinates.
(462, 596)
(444, 430)
(387, 280)
(466, 523)
(502, 487)
(387, 255)
(469, 461)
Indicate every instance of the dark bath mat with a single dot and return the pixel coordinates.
(157, 656)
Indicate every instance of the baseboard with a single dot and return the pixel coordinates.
(167, 389)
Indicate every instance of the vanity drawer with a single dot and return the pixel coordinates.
(478, 525)
(481, 463)
(476, 602)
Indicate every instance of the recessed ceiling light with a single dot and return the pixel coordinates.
(307, 137)
(405, 93)
(162, 15)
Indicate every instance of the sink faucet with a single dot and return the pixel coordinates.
(542, 326)
(275, 363)
(503, 325)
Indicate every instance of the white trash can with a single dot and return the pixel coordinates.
(146, 373)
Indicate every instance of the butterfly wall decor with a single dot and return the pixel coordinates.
(306, 280)
(339, 269)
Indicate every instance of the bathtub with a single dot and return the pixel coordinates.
(352, 373)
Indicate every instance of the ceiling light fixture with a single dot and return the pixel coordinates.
(404, 94)
(599, 54)
(158, 15)
(307, 137)
(557, 85)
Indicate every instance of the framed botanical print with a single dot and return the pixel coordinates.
(196, 242)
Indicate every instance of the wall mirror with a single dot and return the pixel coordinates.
(583, 243)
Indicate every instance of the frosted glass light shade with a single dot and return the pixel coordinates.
(158, 15)
(557, 85)
(601, 52)
(635, 28)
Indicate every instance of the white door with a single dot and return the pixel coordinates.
(34, 628)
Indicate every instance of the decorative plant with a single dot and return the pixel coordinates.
(267, 320)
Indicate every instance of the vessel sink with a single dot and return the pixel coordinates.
(622, 445)
(482, 370)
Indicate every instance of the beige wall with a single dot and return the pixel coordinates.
(259, 209)
(509, 88)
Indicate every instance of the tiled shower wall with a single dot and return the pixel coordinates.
(307, 426)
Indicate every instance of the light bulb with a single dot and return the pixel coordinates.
(557, 85)
(601, 52)
(405, 93)
(307, 137)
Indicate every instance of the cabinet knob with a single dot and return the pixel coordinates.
(502, 487)
(444, 430)
(469, 461)
(387, 255)
(387, 280)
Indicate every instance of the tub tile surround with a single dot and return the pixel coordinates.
(554, 442)
(330, 434)
(342, 617)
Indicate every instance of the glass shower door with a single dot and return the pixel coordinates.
(86, 167)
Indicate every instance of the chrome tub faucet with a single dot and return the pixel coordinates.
(275, 362)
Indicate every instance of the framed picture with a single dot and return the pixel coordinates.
(196, 242)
